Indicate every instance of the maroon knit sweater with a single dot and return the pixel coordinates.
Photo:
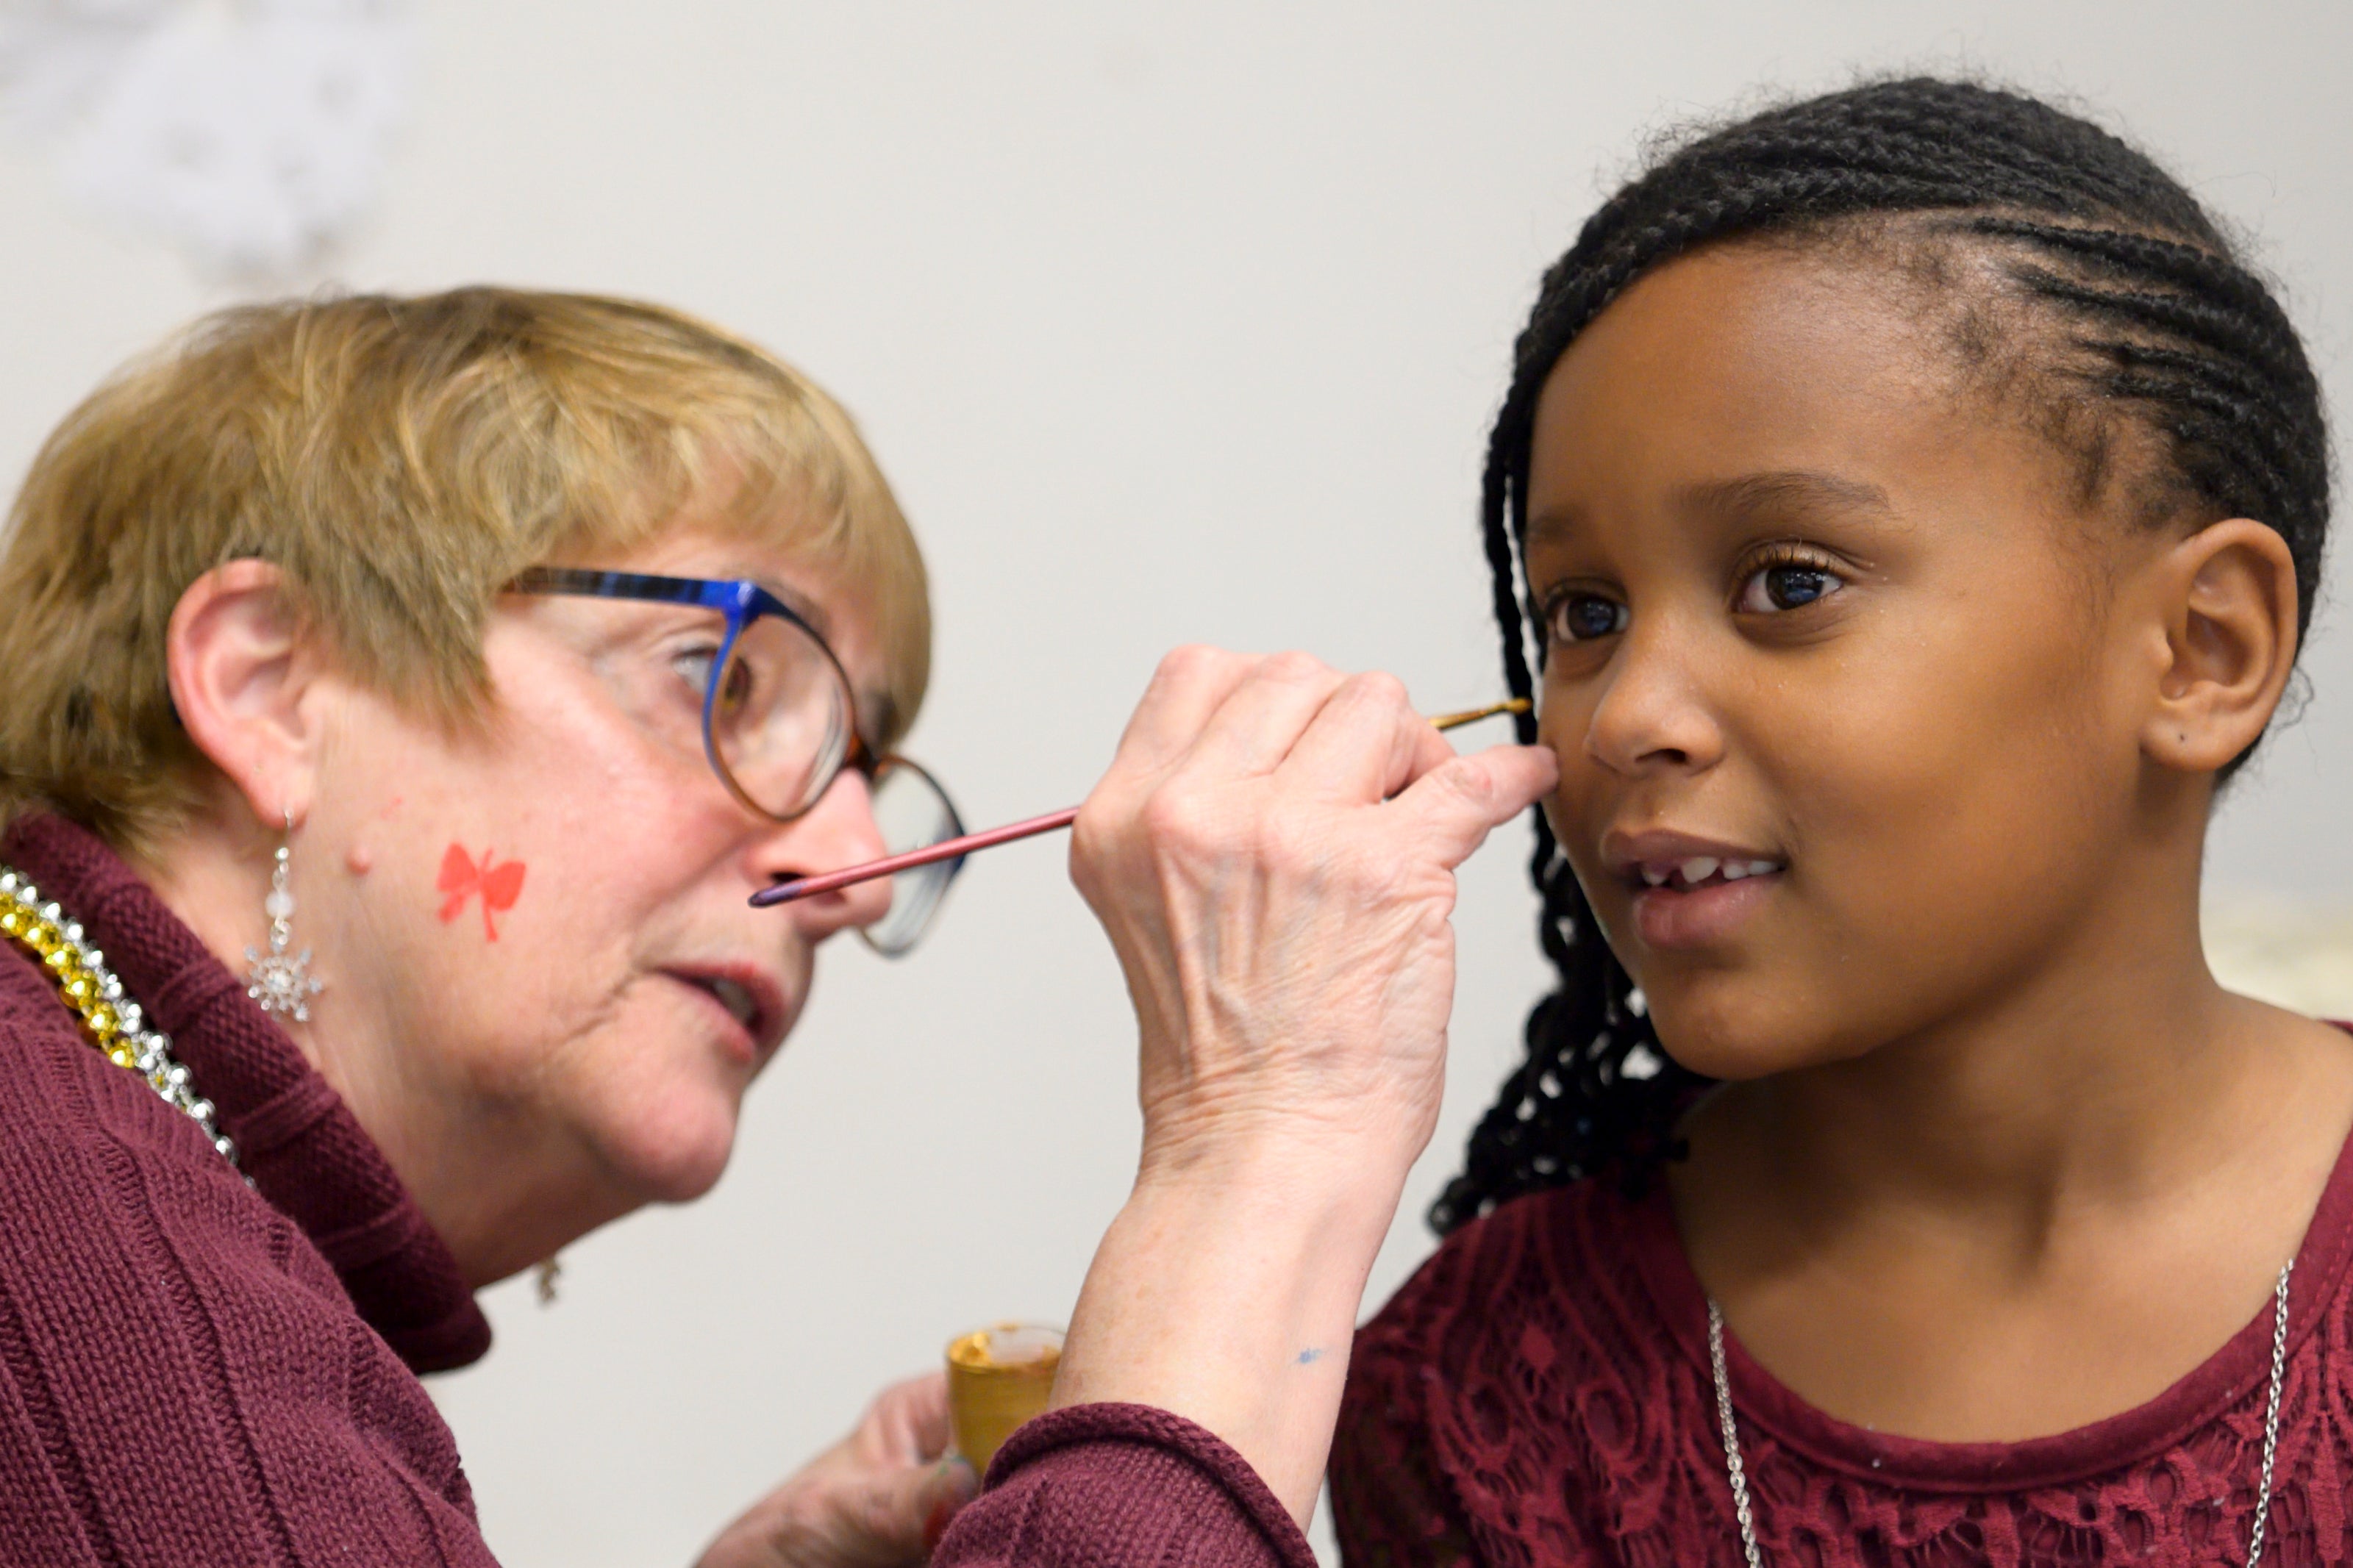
(193, 1372)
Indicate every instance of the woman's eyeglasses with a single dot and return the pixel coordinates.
(780, 723)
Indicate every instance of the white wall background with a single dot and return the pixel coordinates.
(1171, 322)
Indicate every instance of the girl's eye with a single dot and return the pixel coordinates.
(1581, 617)
(1789, 585)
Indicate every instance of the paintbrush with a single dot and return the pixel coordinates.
(958, 848)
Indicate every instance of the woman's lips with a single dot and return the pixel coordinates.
(1673, 916)
(750, 1003)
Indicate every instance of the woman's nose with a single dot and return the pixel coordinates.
(837, 832)
(1650, 714)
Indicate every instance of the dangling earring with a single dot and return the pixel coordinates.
(280, 983)
(545, 1275)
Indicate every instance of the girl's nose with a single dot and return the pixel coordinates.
(1650, 714)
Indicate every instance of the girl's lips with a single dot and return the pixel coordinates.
(1669, 917)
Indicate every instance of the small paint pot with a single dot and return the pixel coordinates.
(998, 1378)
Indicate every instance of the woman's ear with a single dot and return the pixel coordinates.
(240, 671)
(2229, 604)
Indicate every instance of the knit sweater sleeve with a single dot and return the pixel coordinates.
(183, 1379)
(1108, 1486)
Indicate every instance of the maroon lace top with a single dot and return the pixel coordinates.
(1540, 1393)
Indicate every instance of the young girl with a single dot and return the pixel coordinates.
(1916, 506)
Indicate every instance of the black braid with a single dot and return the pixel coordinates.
(2150, 310)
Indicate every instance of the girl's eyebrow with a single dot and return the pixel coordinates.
(1784, 489)
(1780, 489)
(1554, 525)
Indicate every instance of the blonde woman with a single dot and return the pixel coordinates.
(404, 695)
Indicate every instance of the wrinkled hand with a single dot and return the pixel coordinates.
(878, 1498)
(1272, 855)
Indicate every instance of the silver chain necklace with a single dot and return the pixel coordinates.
(1739, 1473)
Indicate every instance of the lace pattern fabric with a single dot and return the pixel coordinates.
(1539, 1393)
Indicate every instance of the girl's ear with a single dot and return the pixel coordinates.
(240, 671)
(2230, 602)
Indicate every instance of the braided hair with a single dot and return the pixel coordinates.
(2146, 317)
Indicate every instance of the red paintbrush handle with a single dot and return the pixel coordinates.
(946, 849)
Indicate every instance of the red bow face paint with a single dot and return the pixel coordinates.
(461, 879)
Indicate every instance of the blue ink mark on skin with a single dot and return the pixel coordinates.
(1306, 1356)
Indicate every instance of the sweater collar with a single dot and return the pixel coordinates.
(296, 1139)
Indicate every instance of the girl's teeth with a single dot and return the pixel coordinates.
(1691, 873)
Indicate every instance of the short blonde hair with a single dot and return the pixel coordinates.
(400, 460)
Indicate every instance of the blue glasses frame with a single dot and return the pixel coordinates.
(742, 602)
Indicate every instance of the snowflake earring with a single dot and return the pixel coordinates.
(278, 981)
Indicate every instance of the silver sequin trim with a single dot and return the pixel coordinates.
(152, 1049)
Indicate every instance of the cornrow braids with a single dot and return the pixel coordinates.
(2150, 312)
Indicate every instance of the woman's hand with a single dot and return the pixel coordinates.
(878, 1498)
(1272, 855)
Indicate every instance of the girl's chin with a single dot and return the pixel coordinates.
(1712, 1029)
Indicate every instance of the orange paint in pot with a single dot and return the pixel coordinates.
(998, 1378)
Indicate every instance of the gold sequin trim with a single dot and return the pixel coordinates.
(109, 1020)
